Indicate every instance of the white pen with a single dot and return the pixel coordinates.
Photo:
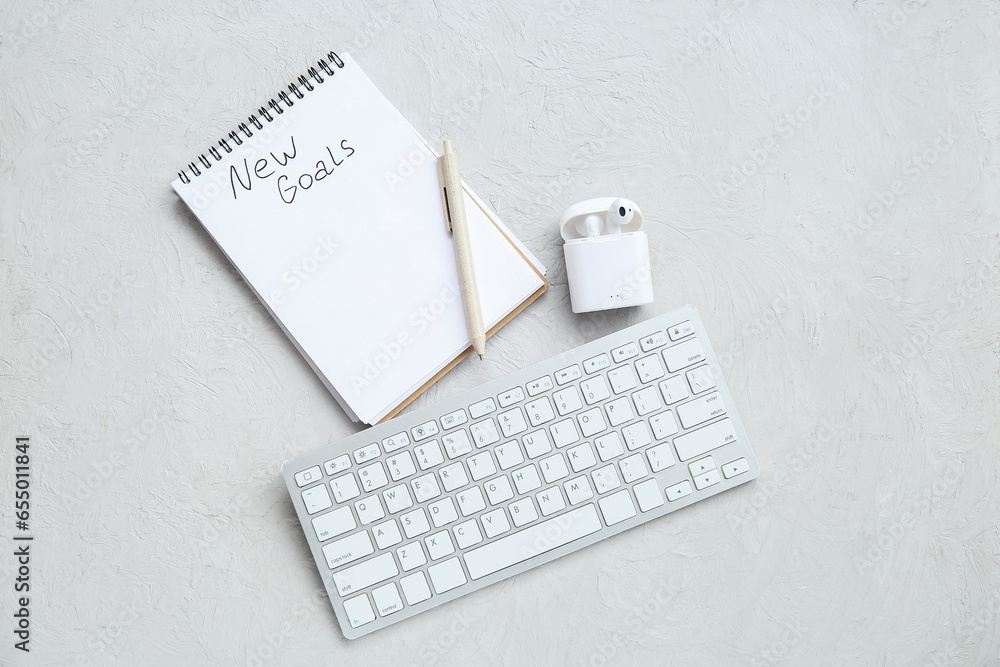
(454, 213)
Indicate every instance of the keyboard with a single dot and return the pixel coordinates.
(456, 496)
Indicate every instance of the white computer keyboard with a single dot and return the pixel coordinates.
(455, 496)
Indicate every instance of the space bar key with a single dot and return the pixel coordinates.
(533, 541)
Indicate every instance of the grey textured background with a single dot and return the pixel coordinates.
(863, 351)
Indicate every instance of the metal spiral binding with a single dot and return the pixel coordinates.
(273, 105)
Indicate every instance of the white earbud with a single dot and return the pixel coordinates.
(590, 226)
(619, 213)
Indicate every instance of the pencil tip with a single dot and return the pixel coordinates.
(480, 357)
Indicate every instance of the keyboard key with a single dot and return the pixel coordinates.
(595, 390)
(424, 431)
(701, 465)
(345, 488)
(550, 501)
(359, 611)
(633, 468)
(414, 523)
(512, 422)
(617, 507)
(578, 490)
(678, 491)
(334, 523)
(598, 363)
(622, 379)
(443, 512)
(609, 446)
(387, 599)
(606, 479)
(428, 455)
(523, 512)
(453, 476)
(471, 501)
(348, 549)
(482, 408)
(653, 341)
(387, 534)
(366, 453)
(453, 419)
(394, 442)
(485, 433)
(700, 379)
(646, 401)
(625, 352)
(415, 588)
(481, 466)
(447, 575)
(439, 545)
(701, 410)
(591, 422)
(564, 433)
(568, 374)
(683, 355)
(730, 470)
(308, 476)
(539, 411)
(536, 387)
(510, 397)
(363, 575)
(707, 479)
(316, 499)
(648, 495)
(495, 523)
(499, 490)
(508, 455)
(664, 425)
(372, 476)
(636, 435)
(660, 457)
(339, 464)
(467, 534)
(397, 498)
(649, 368)
(411, 556)
(369, 509)
(705, 439)
(537, 539)
(581, 457)
(425, 487)
(456, 444)
(400, 466)
(536, 444)
(526, 479)
(619, 411)
(681, 330)
(567, 400)
(553, 468)
(674, 389)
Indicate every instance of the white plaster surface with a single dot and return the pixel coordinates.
(161, 399)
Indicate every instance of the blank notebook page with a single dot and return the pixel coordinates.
(333, 214)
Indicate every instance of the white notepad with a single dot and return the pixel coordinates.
(332, 213)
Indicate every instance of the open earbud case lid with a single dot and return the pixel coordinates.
(598, 206)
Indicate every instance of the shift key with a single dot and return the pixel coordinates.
(363, 575)
(705, 439)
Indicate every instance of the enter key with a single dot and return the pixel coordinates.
(701, 409)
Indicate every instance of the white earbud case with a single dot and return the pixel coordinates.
(607, 271)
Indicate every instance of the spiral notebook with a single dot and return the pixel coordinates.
(327, 202)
